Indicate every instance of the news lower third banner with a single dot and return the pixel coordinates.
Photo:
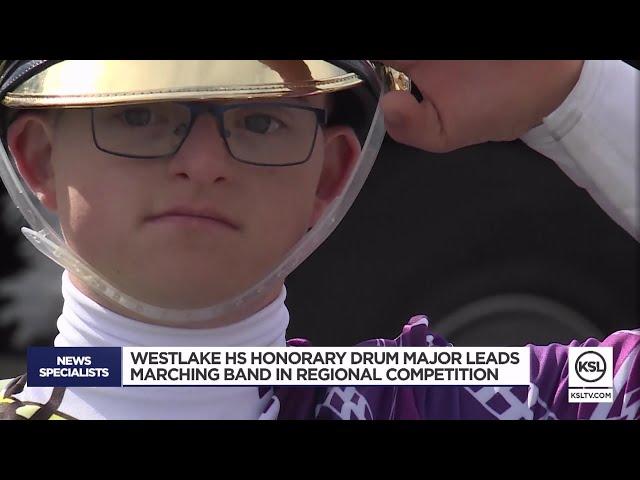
(590, 369)
(235, 366)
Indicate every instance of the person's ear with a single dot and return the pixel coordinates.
(342, 150)
(29, 139)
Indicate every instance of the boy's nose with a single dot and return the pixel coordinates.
(204, 156)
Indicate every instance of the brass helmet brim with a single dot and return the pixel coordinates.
(93, 83)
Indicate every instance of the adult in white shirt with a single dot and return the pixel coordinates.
(581, 114)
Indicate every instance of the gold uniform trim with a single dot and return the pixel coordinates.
(27, 411)
(83, 83)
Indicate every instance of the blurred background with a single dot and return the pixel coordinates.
(492, 242)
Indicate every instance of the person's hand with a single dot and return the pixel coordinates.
(469, 102)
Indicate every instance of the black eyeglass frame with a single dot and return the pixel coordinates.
(218, 111)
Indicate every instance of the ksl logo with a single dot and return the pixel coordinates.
(591, 367)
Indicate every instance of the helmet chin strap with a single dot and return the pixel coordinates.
(63, 256)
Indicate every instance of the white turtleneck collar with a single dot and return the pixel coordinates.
(86, 323)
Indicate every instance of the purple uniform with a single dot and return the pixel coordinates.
(545, 398)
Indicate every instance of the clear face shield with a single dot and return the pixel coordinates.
(183, 191)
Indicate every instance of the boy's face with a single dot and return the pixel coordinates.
(186, 231)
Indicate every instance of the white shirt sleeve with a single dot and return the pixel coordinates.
(593, 137)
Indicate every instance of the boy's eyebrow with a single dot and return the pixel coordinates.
(307, 100)
(303, 100)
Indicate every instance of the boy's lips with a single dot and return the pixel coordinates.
(188, 214)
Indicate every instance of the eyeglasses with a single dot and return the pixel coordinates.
(257, 133)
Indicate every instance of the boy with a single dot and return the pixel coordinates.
(185, 192)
